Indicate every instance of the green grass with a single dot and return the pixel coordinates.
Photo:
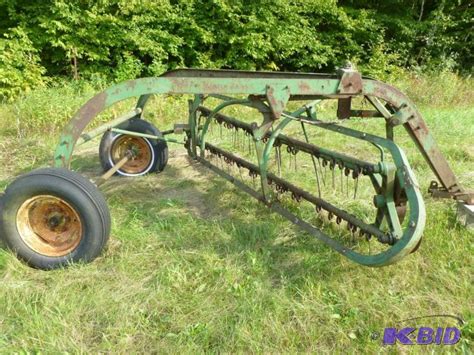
(195, 265)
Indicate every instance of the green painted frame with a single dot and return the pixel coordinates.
(269, 93)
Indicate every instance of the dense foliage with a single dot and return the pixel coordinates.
(121, 39)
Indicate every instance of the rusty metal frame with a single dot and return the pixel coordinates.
(269, 93)
(301, 86)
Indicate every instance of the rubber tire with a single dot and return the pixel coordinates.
(160, 147)
(79, 192)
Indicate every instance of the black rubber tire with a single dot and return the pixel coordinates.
(78, 192)
(160, 148)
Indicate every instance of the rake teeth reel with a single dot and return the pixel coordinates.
(393, 185)
(365, 204)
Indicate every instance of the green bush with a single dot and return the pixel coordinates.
(19, 65)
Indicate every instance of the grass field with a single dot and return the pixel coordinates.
(194, 265)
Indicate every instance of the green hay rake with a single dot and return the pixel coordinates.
(363, 200)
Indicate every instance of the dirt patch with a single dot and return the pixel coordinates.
(182, 180)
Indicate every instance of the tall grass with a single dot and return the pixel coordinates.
(438, 90)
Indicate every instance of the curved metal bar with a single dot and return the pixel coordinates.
(142, 101)
(412, 233)
(417, 129)
(179, 85)
(268, 149)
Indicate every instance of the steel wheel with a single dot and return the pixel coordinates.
(141, 151)
(147, 155)
(49, 225)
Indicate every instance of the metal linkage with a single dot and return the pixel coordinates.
(85, 137)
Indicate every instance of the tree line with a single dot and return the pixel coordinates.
(123, 39)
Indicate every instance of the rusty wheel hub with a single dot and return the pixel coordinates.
(140, 150)
(49, 225)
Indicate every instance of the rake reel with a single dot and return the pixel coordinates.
(362, 200)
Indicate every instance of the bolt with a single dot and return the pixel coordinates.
(412, 224)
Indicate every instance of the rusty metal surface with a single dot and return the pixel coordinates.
(137, 148)
(49, 225)
(344, 108)
(420, 134)
(236, 74)
(351, 83)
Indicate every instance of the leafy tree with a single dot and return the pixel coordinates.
(120, 39)
(19, 64)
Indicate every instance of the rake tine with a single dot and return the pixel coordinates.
(332, 167)
(323, 178)
(346, 173)
(342, 181)
(325, 169)
(278, 150)
(355, 176)
(356, 186)
(347, 186)
(317, 175)
(288, 150)
(313, 159)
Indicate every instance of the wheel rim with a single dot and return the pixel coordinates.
(141, 152)
(49, 225)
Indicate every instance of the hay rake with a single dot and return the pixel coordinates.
(366, 206)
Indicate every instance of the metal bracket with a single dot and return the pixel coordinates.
(403, 115)
(344, 108)
(180, 128)
(437, 191)
(277, 98)
(351, 82)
